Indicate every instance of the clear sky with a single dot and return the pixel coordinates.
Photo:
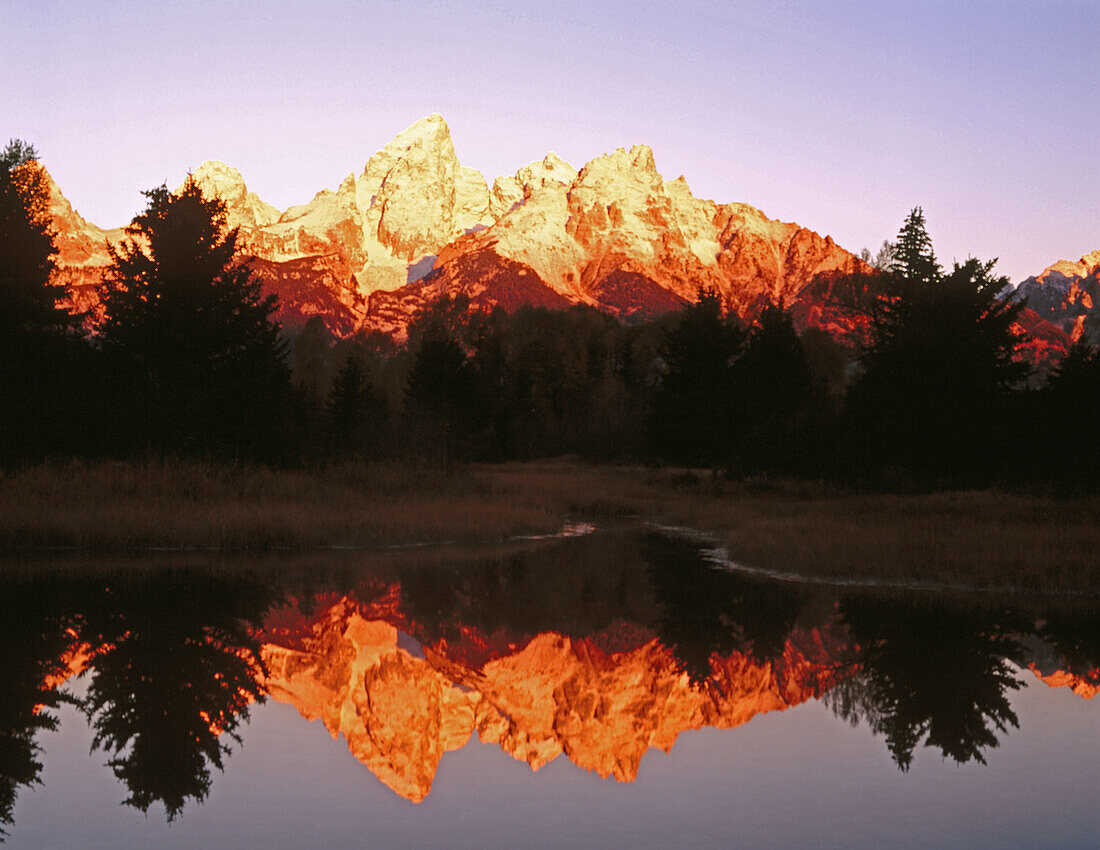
(838, 115)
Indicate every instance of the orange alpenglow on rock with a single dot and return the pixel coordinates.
(400, 705)
(416, 224)
(1086, 686)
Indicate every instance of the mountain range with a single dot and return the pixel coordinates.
(416, 224)
(402, 699)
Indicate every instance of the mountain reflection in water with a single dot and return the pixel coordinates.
(598, 648)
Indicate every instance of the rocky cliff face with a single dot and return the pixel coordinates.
(82, 253)
(1066, 294)
(416, 224)
(617, 236)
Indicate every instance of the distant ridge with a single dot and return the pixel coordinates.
(416, 224)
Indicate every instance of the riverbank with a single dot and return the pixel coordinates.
(976, 539)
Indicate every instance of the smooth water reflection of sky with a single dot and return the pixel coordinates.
(796, 778)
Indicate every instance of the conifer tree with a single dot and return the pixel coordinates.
(690, 422)
(933, 398)
(354, 411)
(187, 322)
(438, 394)
(44, 365)
(777, 418)
(28, 298)
(911, 257)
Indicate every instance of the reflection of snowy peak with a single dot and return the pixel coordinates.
(603, 700)
(416, 224)
(401, 705)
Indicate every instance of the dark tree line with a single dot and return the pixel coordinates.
(188, 361)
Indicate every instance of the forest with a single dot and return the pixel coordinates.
(185, 360)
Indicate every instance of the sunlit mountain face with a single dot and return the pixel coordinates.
(596, 650)
(415, 225)
(1066, 294)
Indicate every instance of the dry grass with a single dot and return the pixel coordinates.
(984, 539)
(975, 539)
(131, 506)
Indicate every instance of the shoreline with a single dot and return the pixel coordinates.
(968, 539)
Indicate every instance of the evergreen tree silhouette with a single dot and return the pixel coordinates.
(911, 257)
(1065, 425)
(691, 409)
(438, 394)
(45, 367)
(187, 323)
(777, 419)
(354, 411)
(28, 298)
(933, 399)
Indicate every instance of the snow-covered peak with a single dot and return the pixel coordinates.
(243, 208)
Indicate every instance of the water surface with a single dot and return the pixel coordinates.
(614, 689)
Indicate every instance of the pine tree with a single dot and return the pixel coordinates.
(911, 257)
(690, 422)
(186, 321)
(354, 412)
(777, 419)
(28, 298)
(439, 399)
(933, 397)
(44, 366)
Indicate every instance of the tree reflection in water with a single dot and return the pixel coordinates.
(708, 611)
(174, 654)
(34, 636)
(174, 668)
(178, 671)
(930, 672)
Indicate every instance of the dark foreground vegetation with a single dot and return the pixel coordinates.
(925, 391)
(161, 420)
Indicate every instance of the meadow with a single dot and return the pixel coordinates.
(984, 539)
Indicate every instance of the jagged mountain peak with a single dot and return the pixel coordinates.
(415, 224)
(430, 129)
(622, 165)
(244, 209)
(1088, 264)
(223, 179)
(1067, 293)
(426, 140)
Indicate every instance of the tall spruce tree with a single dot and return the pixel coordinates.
(439, 399)
(355, 412)
(777, 417)
(187, 325)
(933, 398)
(912, 257)
(28, 297)
(43, 364)
(691, 410)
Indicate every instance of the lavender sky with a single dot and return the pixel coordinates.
(838, 115)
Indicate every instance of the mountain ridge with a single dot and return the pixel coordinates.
(416, 224)
(415, 211)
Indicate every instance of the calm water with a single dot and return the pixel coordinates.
(613, 690)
